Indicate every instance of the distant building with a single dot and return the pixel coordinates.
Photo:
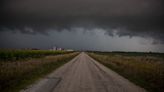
(54, 48)
(60, 49)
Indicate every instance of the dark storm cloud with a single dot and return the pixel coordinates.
(142, 18)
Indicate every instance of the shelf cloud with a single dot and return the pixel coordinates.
(133, 18)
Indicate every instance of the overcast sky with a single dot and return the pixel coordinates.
(107, 25)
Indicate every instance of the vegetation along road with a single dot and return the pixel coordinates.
(83, 74)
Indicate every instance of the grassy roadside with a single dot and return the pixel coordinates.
(17, 75)
(146, 71)
(15, 55)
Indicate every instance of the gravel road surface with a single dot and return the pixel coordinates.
(83, 74)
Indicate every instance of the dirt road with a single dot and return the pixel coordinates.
(83, 74)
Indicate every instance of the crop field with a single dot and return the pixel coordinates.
(143, 69)
(13, 55)
(17, 72)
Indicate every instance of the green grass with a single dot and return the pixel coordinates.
(153, 54)
(17, 75)
(14, 55)
(143, 69)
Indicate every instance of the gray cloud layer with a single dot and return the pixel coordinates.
(142, 18)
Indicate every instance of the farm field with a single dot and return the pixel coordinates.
(14, 55)
(21, 68)
(143, 69)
